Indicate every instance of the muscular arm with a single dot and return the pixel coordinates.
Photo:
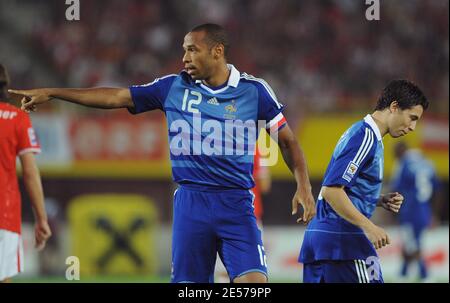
(294, 157)
(295, 160)
(102, 97)
(33, 186)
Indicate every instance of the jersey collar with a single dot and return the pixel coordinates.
(233, 79)
(369, 120)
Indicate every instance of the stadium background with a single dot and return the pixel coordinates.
(106, 174)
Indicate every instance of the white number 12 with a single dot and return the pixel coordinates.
(188, 103)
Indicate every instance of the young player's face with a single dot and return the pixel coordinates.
(403, 121)
(198, 57)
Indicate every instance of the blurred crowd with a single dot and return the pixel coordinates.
(317, 55)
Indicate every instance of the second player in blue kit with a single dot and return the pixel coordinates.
(340, 242)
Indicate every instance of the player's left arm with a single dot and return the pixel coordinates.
(33, 186)
(391, 201)
(295, 160)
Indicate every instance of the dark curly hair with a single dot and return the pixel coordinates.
(406, 93)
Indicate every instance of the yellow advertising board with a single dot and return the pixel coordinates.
(113, 234)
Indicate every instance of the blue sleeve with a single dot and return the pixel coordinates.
(349, 157)
(152, 95)
(269, 109)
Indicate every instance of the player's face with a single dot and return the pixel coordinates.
(198, 58)
(403, 121)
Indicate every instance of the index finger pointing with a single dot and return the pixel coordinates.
(17, 92)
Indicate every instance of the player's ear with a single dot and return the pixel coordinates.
(393, 107)
(218, 51)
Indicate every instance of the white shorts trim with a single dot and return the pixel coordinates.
(11, 254)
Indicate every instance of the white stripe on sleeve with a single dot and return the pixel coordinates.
(366, 150)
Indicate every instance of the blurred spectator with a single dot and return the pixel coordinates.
(322, 55)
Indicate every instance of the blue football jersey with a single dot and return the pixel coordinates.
(357, 165)
(415, 178)
(212, 131)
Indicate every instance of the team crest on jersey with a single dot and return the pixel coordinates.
(230, 109)
(350, 171)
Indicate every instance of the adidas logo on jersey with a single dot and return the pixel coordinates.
(213, 101)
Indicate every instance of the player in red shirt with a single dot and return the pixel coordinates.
(17, 138)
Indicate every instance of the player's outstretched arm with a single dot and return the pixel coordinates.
(343, 206)
(101, 97)
(33, 185)
(295, 160)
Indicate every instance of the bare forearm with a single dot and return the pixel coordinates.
(101, 97)
(340, 202)
(295, 160)
(34, 189)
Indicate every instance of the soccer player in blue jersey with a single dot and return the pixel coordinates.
(340, 242)
(211, 110)
(415, 177)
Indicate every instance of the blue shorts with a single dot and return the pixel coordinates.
(343, 271)
(208, 222)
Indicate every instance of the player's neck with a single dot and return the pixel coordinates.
(380, 118)
(219, 76)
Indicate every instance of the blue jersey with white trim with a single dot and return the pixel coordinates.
(415, 178)
(212, 131)
(357, 165)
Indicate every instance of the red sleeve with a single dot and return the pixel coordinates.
(26, 137)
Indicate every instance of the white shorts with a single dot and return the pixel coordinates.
(11, 254)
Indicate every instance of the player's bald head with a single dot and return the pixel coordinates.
(214, 34)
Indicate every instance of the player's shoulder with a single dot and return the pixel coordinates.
(357, 129)
(359, 133)
(363, 129)
(259, 84)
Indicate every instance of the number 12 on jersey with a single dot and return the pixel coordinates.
(187, 104)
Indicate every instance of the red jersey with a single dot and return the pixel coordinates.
(16, 138)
